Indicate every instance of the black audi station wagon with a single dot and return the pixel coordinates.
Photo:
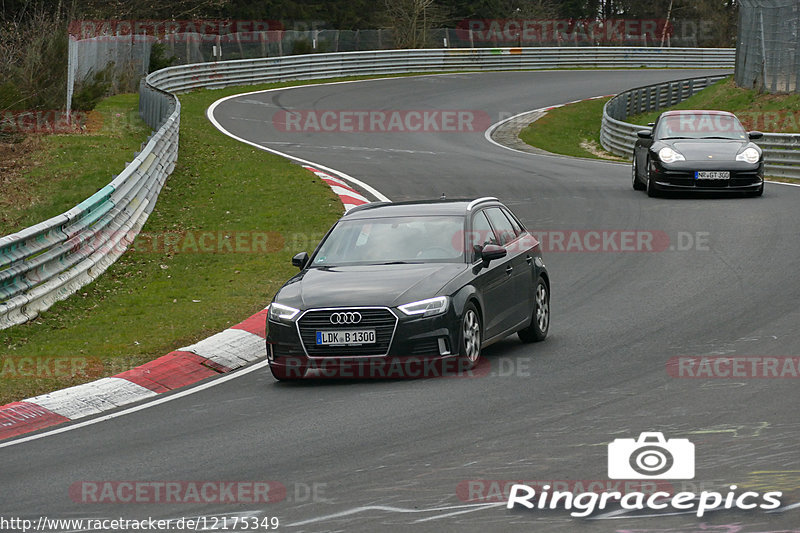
(409, 282)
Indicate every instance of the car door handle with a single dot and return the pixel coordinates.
(529, 259)
(509, 268)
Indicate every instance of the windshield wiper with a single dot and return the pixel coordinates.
(400, 263)
(665, 138)
(719, 137)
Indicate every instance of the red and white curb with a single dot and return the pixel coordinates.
(233, 348)
(228, 350)
(349, 197)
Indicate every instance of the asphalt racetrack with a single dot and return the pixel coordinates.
(719, 279)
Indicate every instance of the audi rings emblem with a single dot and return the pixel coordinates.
(346, 318)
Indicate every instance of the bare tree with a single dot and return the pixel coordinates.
(33, 46)
(412, 20)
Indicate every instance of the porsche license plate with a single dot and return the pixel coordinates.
(712, 175)
(353, 336)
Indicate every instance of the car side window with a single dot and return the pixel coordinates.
(481, 235)
(502, 226)
(516, 224)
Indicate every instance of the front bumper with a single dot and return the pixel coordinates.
(680, 176)
(419, 347)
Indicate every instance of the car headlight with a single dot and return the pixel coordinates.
(668, 155)
(429, 307)
(748, 155)
(282, 313)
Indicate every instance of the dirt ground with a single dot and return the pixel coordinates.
(15, 190)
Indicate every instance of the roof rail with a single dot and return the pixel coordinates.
(477, 201)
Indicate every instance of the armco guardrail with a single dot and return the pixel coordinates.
(51, 260)
(315, 66)
(781, 150)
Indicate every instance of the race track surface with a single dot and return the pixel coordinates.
(398, 455)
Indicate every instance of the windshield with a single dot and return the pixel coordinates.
(423, 239)
(700, 126)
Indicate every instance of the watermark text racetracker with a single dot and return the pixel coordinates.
(201, 30)
(601, 240)
(595, 31)
(260, 242)
(734, 367)
(382, 121)
(195, 492)
(498, 490)
(49, 366)
(409, 367)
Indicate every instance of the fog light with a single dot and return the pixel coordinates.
(443, 349)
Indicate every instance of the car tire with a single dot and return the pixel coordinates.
(284, 373)
(637, 185)
(540, 318)
(652, 192)
(470, 337)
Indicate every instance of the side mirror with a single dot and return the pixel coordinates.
(753, 135)
(491, 252)
(300, 260)
(645, 134)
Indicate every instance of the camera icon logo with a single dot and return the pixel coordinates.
(651, 457)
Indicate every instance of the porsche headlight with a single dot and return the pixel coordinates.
(748, 155)
(668, 155)
(429, 307)
(282, 313)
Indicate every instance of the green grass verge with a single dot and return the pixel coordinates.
(64, 170)
(775, 113)
(573, 130)
(153, 301)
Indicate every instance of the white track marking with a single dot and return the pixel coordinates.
(210, 114)
(478, 507)
(154, 402)
(458, 508)
(354, 148)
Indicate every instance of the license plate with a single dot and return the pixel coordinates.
(350, 337)
(712, 175)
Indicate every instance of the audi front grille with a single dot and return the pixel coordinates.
(381, 319)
